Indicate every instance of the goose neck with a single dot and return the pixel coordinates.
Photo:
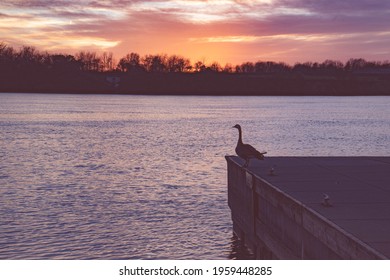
(239, 136)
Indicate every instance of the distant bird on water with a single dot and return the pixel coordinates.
(246, 151)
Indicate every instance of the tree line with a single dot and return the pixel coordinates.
(28, 57)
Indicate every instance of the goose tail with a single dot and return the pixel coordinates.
(260, 155)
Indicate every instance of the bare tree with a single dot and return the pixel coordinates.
(247, 67)
(155, 63)
(331, 66)
(228, 68)
(178, 64)
(89, 61)
(107, 62)
(6, 53)
(216, 67)
(130, 63)
(199, 66)
(355, 64)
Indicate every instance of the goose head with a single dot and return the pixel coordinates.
(237, 126)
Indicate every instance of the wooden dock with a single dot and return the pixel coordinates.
(312, 207)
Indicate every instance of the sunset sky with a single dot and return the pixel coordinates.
(224, 31)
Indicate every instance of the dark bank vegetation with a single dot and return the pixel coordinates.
(29, 70)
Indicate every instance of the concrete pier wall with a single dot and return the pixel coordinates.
(275, 225)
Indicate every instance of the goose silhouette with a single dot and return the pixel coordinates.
(246, 151)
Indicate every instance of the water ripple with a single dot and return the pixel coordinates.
(135, 177)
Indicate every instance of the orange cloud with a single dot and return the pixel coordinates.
(222, 30)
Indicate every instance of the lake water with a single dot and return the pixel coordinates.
(144, 177)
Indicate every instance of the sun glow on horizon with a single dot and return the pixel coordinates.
(224, 39)
(214, 30)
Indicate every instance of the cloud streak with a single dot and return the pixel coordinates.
(225, 30)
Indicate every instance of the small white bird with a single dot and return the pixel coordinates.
(326, 201)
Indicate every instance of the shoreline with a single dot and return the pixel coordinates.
(198, 84)
(190, 94)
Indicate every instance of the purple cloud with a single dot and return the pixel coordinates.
(277, 26)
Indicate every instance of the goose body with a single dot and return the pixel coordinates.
(246, 151)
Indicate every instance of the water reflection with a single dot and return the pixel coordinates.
(238, 250)
(141, 177)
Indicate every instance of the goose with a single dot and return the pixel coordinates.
(246, 151)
